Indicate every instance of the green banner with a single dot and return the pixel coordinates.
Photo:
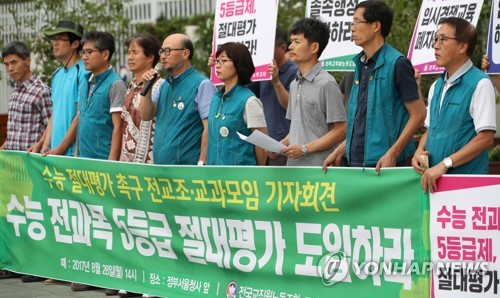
(215, 231)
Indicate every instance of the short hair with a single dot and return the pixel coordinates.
(102, 40)
(149, 44)
(188, 44)
(464, 32)
(378, 11)
(72, 37)
(314, 30)
(242, 60)
(16, 48)
(281, 37)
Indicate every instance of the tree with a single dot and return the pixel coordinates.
(106, 15)
(202, 41)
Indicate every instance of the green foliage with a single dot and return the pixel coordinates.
(106, 15)
(289, 11)
(494, 153)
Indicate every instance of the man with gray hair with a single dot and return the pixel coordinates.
(30, 106)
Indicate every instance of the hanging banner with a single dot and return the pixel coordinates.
(493, 50)
(421, 52)
(215, 231)
(252, 23)
(338, 14)
(465, 236)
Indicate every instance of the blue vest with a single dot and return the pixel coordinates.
(178, 125)
(453, 127)
(386, 113)
(225, 119)
(95, 126)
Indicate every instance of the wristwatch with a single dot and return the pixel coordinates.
(448, 163)
(304, 150)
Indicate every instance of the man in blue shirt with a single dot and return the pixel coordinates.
(60, 136)
(384, 107)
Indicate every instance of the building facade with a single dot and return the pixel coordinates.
(138, 11)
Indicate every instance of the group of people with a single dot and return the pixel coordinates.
(184, 119)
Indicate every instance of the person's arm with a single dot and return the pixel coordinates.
(39, 146)
(68, 140)
(116, 138)
(204, 142)
(416, 111)
(147, 107)
(206, 90)
(482, 141)
(116, 96)
(45, 106)
(406, 85)
(280, 90)
(417, 162)
(330, 139)
(335, 158)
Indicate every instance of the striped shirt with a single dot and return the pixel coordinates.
(30, 108)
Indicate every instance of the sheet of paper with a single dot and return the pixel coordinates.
(263, 141)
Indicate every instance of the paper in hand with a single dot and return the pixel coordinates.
(263, 141)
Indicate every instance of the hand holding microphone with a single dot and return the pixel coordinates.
(150, 81)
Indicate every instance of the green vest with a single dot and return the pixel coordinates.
(453, 127)
(386, 114)
(178, 125)
(225, 120)
(95, 125)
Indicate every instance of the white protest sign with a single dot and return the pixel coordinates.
(421, 51)
(252, 23)
(338, 15)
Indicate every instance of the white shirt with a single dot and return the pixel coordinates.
(482, 107)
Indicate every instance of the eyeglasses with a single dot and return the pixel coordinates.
(439, 39)
(222, 61)
(56, 38)
(167, 51)
(357, 22)
(88, 52)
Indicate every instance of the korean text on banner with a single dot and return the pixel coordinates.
(214, 231)
(421, 51)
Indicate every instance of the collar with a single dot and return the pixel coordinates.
(26, 84)
(373, 58)
(93, 77)
(312, 73)
(182, 74)
(134, 84)
(460, 72)
(227, 96)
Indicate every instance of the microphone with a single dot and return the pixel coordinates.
(151, 82)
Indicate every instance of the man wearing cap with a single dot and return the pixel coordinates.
(66, 80)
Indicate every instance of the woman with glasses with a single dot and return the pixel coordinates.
(234, 109)
(137, 139)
